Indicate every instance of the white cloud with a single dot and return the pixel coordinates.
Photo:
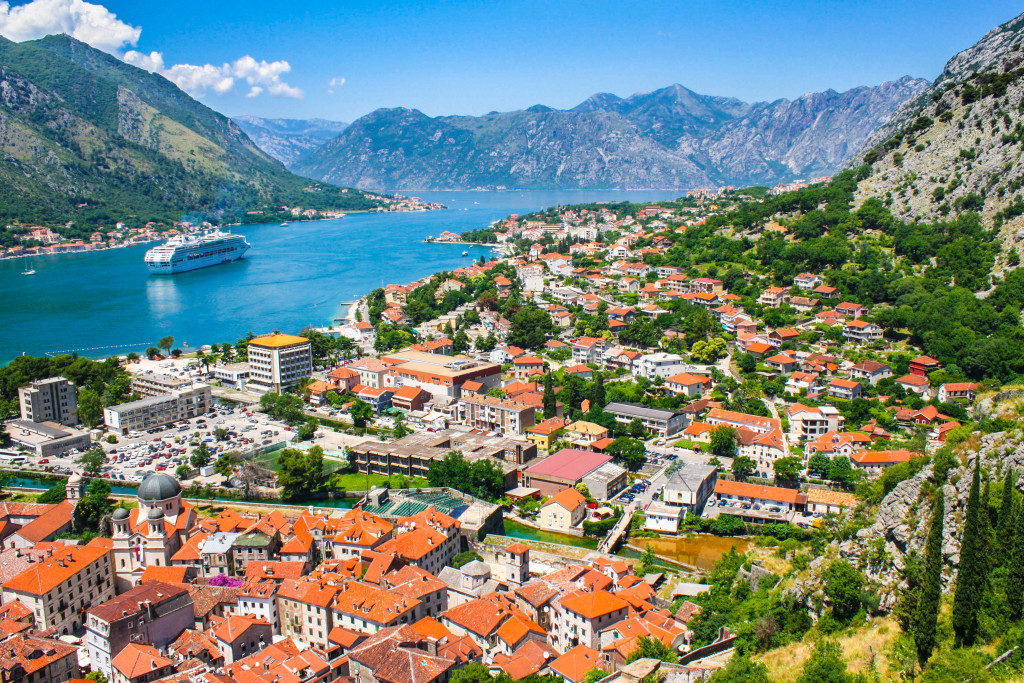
(99, 27)
(200, 79)
(84, 21)
(335, 82)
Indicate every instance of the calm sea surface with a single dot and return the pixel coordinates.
(102, 303)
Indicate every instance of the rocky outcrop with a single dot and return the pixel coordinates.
(669, 138)
(288, 139)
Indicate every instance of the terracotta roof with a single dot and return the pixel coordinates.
(45, 526)
(163, 574)
(414, 545)
(594, 605)
(42, 577)
(234, 626)
(569, 464)
(881, 457)
(745, 490)
(569, 498)
(32, 654)
(260, 569)
(370, 603)
(136, 660)
(136, 599)
(431, 628)
(575, 663)
(832, 497)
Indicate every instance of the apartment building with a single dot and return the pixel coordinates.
(37, 660)
(754, 423)
(588, 350)
(808, 423)
(160, 410)
(861, 332)
(366, 608)
(49, 400)
(662, 365)
(582, 617)
(60, 588)
(279, 361)
(690, 487)
(155, 384)
(152, 613)
(492, 414)
(440, 375)
(655, 420)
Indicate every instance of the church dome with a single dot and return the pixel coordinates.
(156, 513)
(75, 478)
(158, 487)
(121, 513)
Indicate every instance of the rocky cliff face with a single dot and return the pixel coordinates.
(669, 138)
(288, 139)
(957, 146)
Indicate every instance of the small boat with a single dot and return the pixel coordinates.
(28, 272)
(465, 253)
(284, 224)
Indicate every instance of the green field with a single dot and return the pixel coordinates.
(347, 482)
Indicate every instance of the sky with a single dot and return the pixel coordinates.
(339, 60)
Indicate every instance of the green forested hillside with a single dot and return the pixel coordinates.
(86, 138)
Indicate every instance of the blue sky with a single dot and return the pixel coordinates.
(473, 57)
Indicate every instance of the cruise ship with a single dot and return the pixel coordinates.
(188, 252)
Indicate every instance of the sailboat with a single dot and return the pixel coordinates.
(30, 271)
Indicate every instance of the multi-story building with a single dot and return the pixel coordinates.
(279, 361)
(152, 613)
(582, 617)
(156, 384)
(440, 375)
(492, 414)
(655, 420)
(807, 423)
(37, 660)
(690, 487)
(861, 332)
(367, 608)
(588, 350)
(259, 598)
(60, 588)
(47, 439)
(160, 410)
(563, 511)
(661, 365)
(49, 400)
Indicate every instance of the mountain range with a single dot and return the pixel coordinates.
(87, 138)
(287, 139)
(668, 138)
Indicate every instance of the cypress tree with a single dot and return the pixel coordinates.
(550, 405)
(970, 576)
(926, 618)
(1004, 527)
(597, 398)
(1015, 576)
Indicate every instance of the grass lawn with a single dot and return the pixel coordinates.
(860, 647)
(357, 481)
(683, 443)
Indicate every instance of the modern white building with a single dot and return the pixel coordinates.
(160, 410)
(50, 400)
(279, 361)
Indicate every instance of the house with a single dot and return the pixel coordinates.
(915, 383)
(565, 469)
(928, 415)
(685, 384)
(782, 362)
(876, 462)
(543, 433)
(574, 665)
(826, 292)
(662, 517)
(411, 399)
(655, 420)
(773, 297)
(923, 366)
(240, 635)
(582, 616)
(802, 381)
(807, 423)
(851, 310)
(563, 511)
(690, 487)
(587, 350)
(844, 389)
(861, 332)
(729, 418)
(825, 502)
(958, 391)
(804, 304)
(526, 366)
(870, 371)
(836, 443)
(138, 663)
(583, 434)
(807, 280)
(757, 503)
(661, 364)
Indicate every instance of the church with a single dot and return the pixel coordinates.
(151, 533)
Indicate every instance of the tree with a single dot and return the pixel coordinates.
(819, 464)
(361, 413)
(1005, 522)
(788, 468)
(307, 431)
(400, 429)
(481, 479)
(302, 474)
(652, 648)
(636, 428)
(54, 494)
(96, 677)
(825, 665)
(90, 407)
(92, 461)
(741, 670)
(1015, 576)
(844, 587)
(465, 558)
(597, 395)
(629, 452)
(970, 578)
(166, 343)
(471, 673)
(840, 470)
(183, 471)
(94, 506)
(531, 327)
(926, 618)
(743, 466)
(723, 440)
(549, 401)
(201, 456)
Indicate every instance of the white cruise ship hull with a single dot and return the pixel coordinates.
(182, 259)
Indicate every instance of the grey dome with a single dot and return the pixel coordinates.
(476, 568)
(159, 486)
(121, 513)
(156, 513)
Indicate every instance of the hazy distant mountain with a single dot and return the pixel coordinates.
(287, 139)
(85, 137)
(669, 138)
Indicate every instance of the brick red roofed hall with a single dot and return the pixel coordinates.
(564, 469)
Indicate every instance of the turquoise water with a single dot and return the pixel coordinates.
(528, 533)
(98, 304)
